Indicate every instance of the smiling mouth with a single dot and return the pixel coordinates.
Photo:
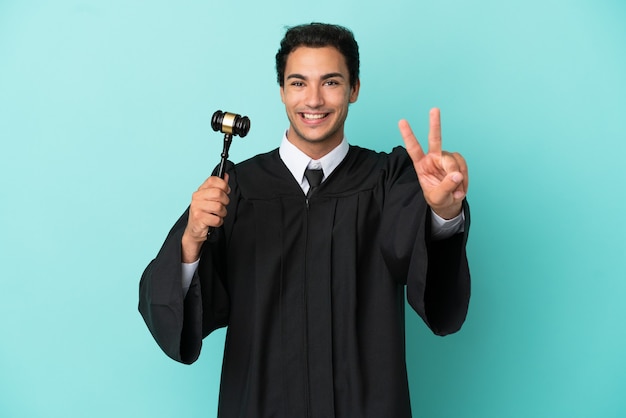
(313, 116)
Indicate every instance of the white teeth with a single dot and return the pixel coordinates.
(314, 115)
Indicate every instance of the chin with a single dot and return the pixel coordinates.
(318, 138)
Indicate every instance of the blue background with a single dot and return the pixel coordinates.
(105, 132)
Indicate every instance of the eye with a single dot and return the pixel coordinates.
(297, 83)
(331, 83)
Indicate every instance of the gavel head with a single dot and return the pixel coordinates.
(230, 123)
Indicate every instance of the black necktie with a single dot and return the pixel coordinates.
(315, 178)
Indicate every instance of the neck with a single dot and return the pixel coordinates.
(315, 150)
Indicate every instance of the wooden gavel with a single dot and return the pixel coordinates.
(229, 124)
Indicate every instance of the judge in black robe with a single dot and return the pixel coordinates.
(312, 291)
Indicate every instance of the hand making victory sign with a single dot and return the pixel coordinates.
(442, 175)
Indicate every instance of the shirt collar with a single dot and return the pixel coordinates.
(297, 161)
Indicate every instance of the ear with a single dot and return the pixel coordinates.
(354, 93)
(282, 93)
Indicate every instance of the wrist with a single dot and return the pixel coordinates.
(190, 249)
(449, 212)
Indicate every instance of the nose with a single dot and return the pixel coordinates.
(314, 97)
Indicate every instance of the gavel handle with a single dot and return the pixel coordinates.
(228, 139)
(221, 170)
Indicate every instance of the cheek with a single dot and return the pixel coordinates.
(289, 100)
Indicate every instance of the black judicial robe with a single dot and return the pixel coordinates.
(312, 292)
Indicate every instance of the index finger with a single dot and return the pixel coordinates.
(412, 145)
(216, 182)
(434, 134)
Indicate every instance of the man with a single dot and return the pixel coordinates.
(309, 278)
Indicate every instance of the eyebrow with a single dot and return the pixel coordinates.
(324, 77)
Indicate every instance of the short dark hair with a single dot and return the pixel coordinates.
(318, 35)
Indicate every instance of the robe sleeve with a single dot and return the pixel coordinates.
(445, 300)
(178, 323)
(436, 273)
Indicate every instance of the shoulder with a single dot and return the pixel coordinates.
(377, 163)
(259, 162)
(262, 176)
(367, 170)
(367, 155)
(255, 166)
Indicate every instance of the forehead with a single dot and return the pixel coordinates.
(308, 60)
